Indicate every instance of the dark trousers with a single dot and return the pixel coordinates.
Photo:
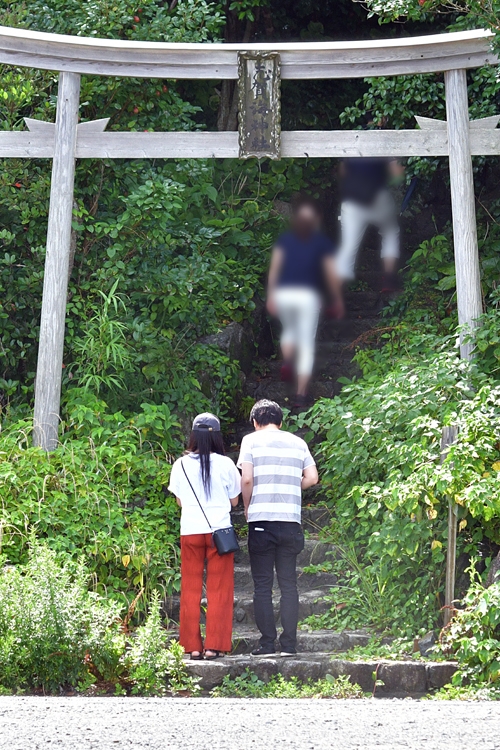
(275, 544)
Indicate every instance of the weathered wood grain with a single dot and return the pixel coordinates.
(55, 282)
(483, 123)
(345, 143)
(448, 437)
(299, 60)
(93, 126)
(189, 145)
(41, 126)
(463, 204)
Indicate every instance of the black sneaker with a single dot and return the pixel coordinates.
(263, 652)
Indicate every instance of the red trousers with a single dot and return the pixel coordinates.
(195, 549)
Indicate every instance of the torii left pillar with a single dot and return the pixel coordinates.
(55, 282)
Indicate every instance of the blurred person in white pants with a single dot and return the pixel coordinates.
(368, 201)
(301, 267)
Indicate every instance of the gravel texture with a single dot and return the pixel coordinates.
(208, 724)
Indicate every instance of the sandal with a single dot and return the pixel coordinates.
(214, 654)
(196, 656)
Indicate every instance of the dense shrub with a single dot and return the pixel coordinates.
(249, 685)
(152, 668)
(51, 625)
(56, 633)
(381, 468)
(473, 638)
(102, 493)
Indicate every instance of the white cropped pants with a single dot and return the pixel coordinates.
(298, 310)
(355, 219)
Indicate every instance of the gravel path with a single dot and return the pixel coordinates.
(209, 724)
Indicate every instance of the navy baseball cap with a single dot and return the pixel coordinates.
(206, 421)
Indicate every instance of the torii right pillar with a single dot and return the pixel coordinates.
(469, 298)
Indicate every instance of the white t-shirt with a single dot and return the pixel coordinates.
(225, 484)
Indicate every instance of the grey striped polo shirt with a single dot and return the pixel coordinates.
(279, 459)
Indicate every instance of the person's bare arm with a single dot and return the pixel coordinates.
(246, 484)
(332, 279)
(334, 284)
(179, 502)
(309, 477)
(234, 501)
(272, 279)
(396, 169)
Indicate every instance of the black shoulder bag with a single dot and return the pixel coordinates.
(225, 540)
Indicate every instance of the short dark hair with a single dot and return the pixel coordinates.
(266, 412)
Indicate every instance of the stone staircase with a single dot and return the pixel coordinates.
(321, 652)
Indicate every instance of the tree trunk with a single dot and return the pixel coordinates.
(227, 118)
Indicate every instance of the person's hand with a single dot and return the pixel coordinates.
(271, 305)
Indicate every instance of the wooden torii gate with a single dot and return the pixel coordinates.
(259, 69)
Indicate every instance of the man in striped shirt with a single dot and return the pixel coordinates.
(276, 466)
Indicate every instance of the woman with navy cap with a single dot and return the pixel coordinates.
(206, 484)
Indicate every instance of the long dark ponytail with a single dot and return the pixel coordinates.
(205, 442)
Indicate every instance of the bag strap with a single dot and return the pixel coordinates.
(196, 496)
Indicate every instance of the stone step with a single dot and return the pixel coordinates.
(318, 641)
(327, 366)
(283, 393)
(310, 603)
(399, 678)
(315, 552)
(340, 350)
(337, 352)
(306, 581)
(347, 330)
(315, 518)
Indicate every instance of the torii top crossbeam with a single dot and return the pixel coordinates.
(258, 69)
(299, 60)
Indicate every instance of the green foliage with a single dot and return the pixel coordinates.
(102, 355)
(102, 493)
(381, 467)
(245, 9)
(399, 649)
(473, 638)
(452, 692)
(181, 245)
(51, 626)
(192, 20)
(166, 253)
(55, 633)
(463, 13)
(154, 669)
(248, 685)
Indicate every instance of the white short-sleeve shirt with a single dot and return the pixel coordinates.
(225, 484)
